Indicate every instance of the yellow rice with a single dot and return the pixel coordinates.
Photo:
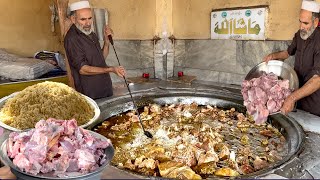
(45, 100)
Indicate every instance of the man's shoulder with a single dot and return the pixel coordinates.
(297, 34)
(71, 38)
(71, 34)
(317, 34)
(317, 31)
(317, 39)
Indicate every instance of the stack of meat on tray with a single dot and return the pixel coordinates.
(57, 146)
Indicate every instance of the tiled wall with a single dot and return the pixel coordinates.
(223, 61)
(136, 56)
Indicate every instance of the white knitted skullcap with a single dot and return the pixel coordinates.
(310, 6)
(79, 5)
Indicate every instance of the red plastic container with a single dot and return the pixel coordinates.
(145, 75)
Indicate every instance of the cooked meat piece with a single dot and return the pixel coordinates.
(245, 151)
(148, 163)
(131, 113)
(154, 108)
(259, 163)
(194, 106)
(184, 172)
(209, 156)
(226, 172)
(155, 152)
(146, 109)
(246, 169)
(244, 140)
(242, 160)
(273, 156)
(224, 153)
(264, 142)
(241, 117)
(222, 113)
(123, 126)
(134, 118)
(139, 160)
(197, 152)
(171, 106)
(206, 168)
(280, 147)
(166, 167)
(266, 132)
(128, 164)
(199, 116)
(207, 109)
(186, 156)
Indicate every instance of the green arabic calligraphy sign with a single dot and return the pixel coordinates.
(242, 24)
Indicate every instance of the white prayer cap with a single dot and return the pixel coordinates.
(310, 6)
(79, 5)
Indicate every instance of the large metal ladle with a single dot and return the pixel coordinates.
(147, 133)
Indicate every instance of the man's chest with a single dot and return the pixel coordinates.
(305, 54)
(92, 52)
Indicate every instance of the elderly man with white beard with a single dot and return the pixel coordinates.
(306, 48)
(87, 60)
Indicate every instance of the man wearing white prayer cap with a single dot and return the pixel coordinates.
(87, 60)
(79, 5)
(306, 48)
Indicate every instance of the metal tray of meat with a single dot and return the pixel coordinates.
(279, 68)
(109, 151)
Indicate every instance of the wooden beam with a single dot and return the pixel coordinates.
(65, 24)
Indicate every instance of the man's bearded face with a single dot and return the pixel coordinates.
(85, 29)
(307, 24)
(83, 21)
(305, 33)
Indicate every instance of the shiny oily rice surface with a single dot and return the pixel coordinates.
(42, 101)
(192, 142)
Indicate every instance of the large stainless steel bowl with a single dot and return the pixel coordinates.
(89, 100)
(109, 151)
(279, 68)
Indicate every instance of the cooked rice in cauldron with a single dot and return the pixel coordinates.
(45, 100)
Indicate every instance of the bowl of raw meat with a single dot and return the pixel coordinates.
(266, 87)
(279, 68)
(57, 149)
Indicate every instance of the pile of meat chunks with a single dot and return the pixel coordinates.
(264, 95)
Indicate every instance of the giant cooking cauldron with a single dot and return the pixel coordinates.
(220, 97)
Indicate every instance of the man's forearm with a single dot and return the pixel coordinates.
(310, 87)
(106, 49)
(282, 55)
(92, 70)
